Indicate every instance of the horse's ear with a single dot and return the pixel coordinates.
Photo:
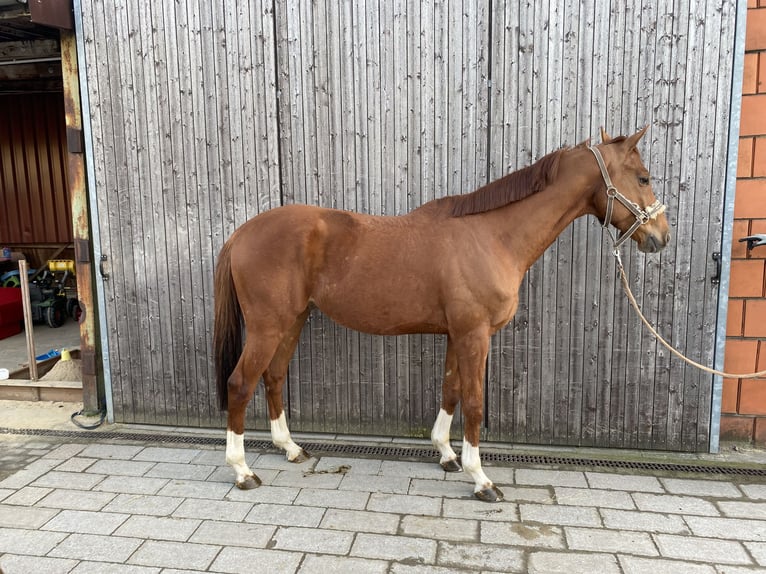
(631, 142)
(605, 137)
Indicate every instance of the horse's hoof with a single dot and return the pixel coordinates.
(302, 456)
(491, 494)
(451, 466)
(249, 483)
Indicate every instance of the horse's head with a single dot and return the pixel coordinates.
(625, 198)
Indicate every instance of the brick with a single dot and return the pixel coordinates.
(643, 521)
(750, 78)
(730, 398)
(759, 147)
(398, 548)
(755, 318)
(672, 504)
(98, 548)
(741, 229)
(750, 199)
(702, 549)
(737, 428)
(455, 529)
(568, 562)
(23, 517)
(623, 482)
(755, 33)
(12, 563)
(175, 555)
(345, 565)
(710, 488)
(739, 509)
(752, 397)
(638, 565)
(402, 504)
(728, 528)
(601, 540)
(159, 528)
(475, 556)
(281, 515)
(550, 477)
(746, 278)
(739, 356)
(762, 70)
(360, 521)
(518, 534)
(594, 497)
(735, 318)
(559, 515)
(86, 522)
(759, 436)
(234, 559)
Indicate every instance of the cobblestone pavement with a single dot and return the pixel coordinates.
(91, 506)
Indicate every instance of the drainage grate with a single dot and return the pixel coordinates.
(404, 452)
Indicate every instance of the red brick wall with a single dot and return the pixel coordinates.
(744, 400)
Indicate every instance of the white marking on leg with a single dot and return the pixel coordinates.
(440, 437)
(280, 436)
(472, 465)
(235, 455)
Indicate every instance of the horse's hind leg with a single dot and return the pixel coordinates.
(274, 380)
(241, 386)
(450, 397)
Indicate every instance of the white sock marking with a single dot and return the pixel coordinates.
(235, 455)
(280, 436)
(440, 436)
(472, 465)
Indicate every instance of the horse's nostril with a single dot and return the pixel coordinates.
(667, 238)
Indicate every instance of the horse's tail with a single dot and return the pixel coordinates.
(227, 330)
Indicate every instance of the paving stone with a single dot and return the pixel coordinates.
(345, 565)
(283, 515)
(347, 499)
(399, 568)
(360, 521)
(383, 484)
(85, 522)
(226, 474)
(125, 452)
(645, 521)
(480, 556)
(701, 549)
(163, 454)
(437, 528)
(412, 469)
(758, 551)
(76, 500)
(550, 477)
(96, 548)
(181, 471)
(5, 493)
(34, 542)
(500, 475)
(593, 497)
(692, 487)
(131, 484)
(754, 491)
(731, 528)
(383, 547)
(175, 554)
(159, 528)
(233, 534)
(280, 462)
(66, 451)
(404, 504)
(27, 496)
(737, 509)
(528, 494)
(636, 483)
(24, 517)
(120, 467)
(234, 560)
(354, 465)
(602, 540)
(212, 509)
(442, 488)
(477, 510)
(301, 480)
(560, 515)
(76, 464)
(569, 562)
(144, 504)
(69, 480)
(265, 493)
(518, 534)
(314, 540)
(11, 563)
(672, 504)
(104, 568)
(638, 565)
(195, 489)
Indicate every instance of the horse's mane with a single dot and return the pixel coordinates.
(510, 188)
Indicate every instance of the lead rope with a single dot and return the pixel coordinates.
(670, 347)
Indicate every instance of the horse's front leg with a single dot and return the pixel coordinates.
(471, 350)
(440, 434)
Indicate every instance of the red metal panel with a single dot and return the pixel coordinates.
(34, 203)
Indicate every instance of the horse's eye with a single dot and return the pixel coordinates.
(643, 180)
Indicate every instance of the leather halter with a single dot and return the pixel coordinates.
(642, 215)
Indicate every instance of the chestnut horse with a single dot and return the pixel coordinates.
(452, 266)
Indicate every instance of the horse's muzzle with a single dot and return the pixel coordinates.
(653, 243)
